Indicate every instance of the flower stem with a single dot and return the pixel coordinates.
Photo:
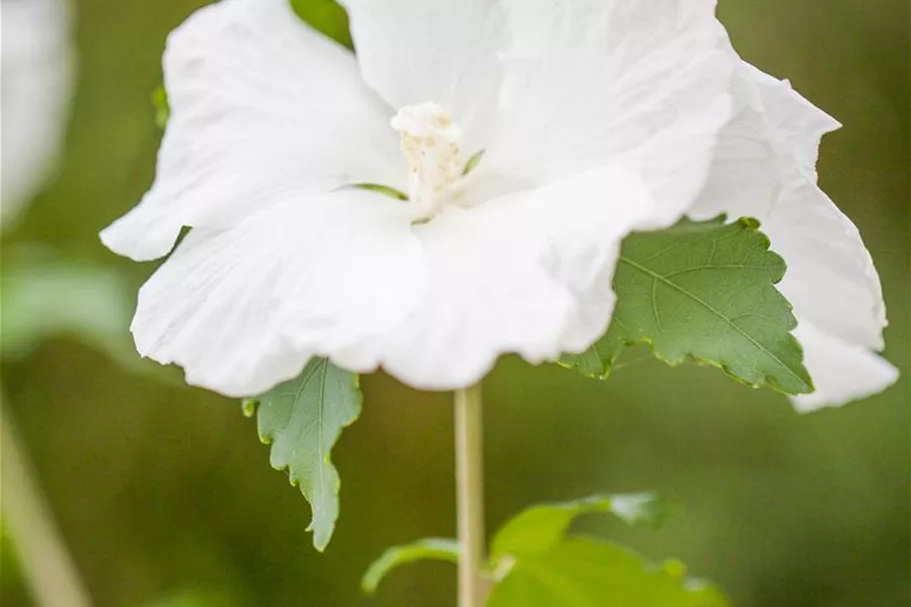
(470, 496)
(46, 564)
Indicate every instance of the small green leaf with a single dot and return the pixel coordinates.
(473, 163)
(538, 528)
(582, 572)
(162, 106)
(302, 419)
(428, 548)
(704, 292)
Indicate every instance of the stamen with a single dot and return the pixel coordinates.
(431, 142)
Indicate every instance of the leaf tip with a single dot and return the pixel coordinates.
(248, 407)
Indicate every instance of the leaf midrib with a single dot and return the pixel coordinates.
(711, 309)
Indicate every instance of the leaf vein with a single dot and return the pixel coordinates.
(711, 309)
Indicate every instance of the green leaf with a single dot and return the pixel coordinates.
(303, 419)
(582, 572)
(428, 548)
(704, 292)
(538, 528)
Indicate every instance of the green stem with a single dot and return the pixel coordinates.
(470, 496)
(46, 564)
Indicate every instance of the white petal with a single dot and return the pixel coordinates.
(528, 273)
(745, 179)
(830, 279)
(797, 123)
(243, 309)
(598, 81)
(263, 108)
(36, 66)
(772, 131)
(769, 152)
(842, 372)
(443, 51)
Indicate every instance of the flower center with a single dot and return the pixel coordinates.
(431, 142)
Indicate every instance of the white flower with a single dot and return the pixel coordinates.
(595, 118)
(36, 66)
(765, 167)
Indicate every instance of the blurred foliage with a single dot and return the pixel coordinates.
(581, 572)
(164, 490)
(426, 549)
(534, 542)
(46, 295)
(535, 562)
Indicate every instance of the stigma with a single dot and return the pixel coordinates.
(432, 145)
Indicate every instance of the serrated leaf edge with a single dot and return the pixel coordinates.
(608, 363)
(268, 438)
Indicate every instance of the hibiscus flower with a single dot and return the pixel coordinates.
(459, 189)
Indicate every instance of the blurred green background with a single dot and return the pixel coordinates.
(164, 493)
